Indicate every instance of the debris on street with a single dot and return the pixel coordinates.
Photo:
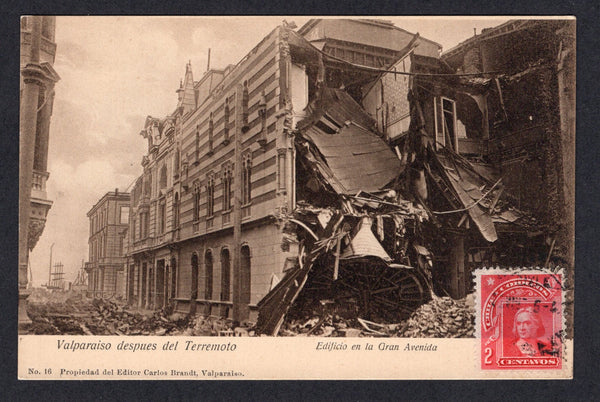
(442, 317)
(72, 313)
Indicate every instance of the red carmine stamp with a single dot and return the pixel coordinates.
(520, 319)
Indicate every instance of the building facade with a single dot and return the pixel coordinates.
(109, 224)
(37, 80)
(205, 227)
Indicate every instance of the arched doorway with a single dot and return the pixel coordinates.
(173, 292)
(245, 276)
(194, 282)
(159, 290)
(144, 287)
(208, 275)
(225, 281)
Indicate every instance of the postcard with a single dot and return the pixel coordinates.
(296, 197)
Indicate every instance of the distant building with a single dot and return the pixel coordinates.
(38, 77)
(109, 220)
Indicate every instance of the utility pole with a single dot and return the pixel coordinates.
(50, 267)
(240, 312)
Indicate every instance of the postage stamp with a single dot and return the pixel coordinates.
(520, 319)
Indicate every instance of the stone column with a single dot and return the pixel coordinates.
(43, 132)
(33, 79)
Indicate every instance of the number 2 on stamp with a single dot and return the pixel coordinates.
(488, 355)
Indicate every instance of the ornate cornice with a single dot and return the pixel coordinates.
(36, 227)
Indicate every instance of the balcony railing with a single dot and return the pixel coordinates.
(162, 238)
(38, 183)
(141, 244)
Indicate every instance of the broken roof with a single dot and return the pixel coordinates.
(468, 188)
(356, 157)
(370, 32)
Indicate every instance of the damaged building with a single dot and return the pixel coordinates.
(488, 143)
(342, 167)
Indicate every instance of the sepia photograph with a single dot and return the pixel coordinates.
(214, 180)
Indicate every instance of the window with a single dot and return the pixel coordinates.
(47, 28)
(445, 123)
(262, 112)
(148, 186)
(136, 192)
(140, 231)
(176, 163)
(281, 169)
(176, 211)
(247, 179)
(210, 196)
(146, 224)
(102, 250)
(162, 216)
(196, 202)
(226, 178)
(163, 177)
(226, 122)
(197, 145)
(245, 99)
(121, 253)
(124, 215)
(211, 129)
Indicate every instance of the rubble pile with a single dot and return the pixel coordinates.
(72, 313)
(217, 326)
(326, 325)
(442, 317)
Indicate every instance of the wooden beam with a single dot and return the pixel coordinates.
(336, 266)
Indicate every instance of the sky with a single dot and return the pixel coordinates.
(114, 72)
